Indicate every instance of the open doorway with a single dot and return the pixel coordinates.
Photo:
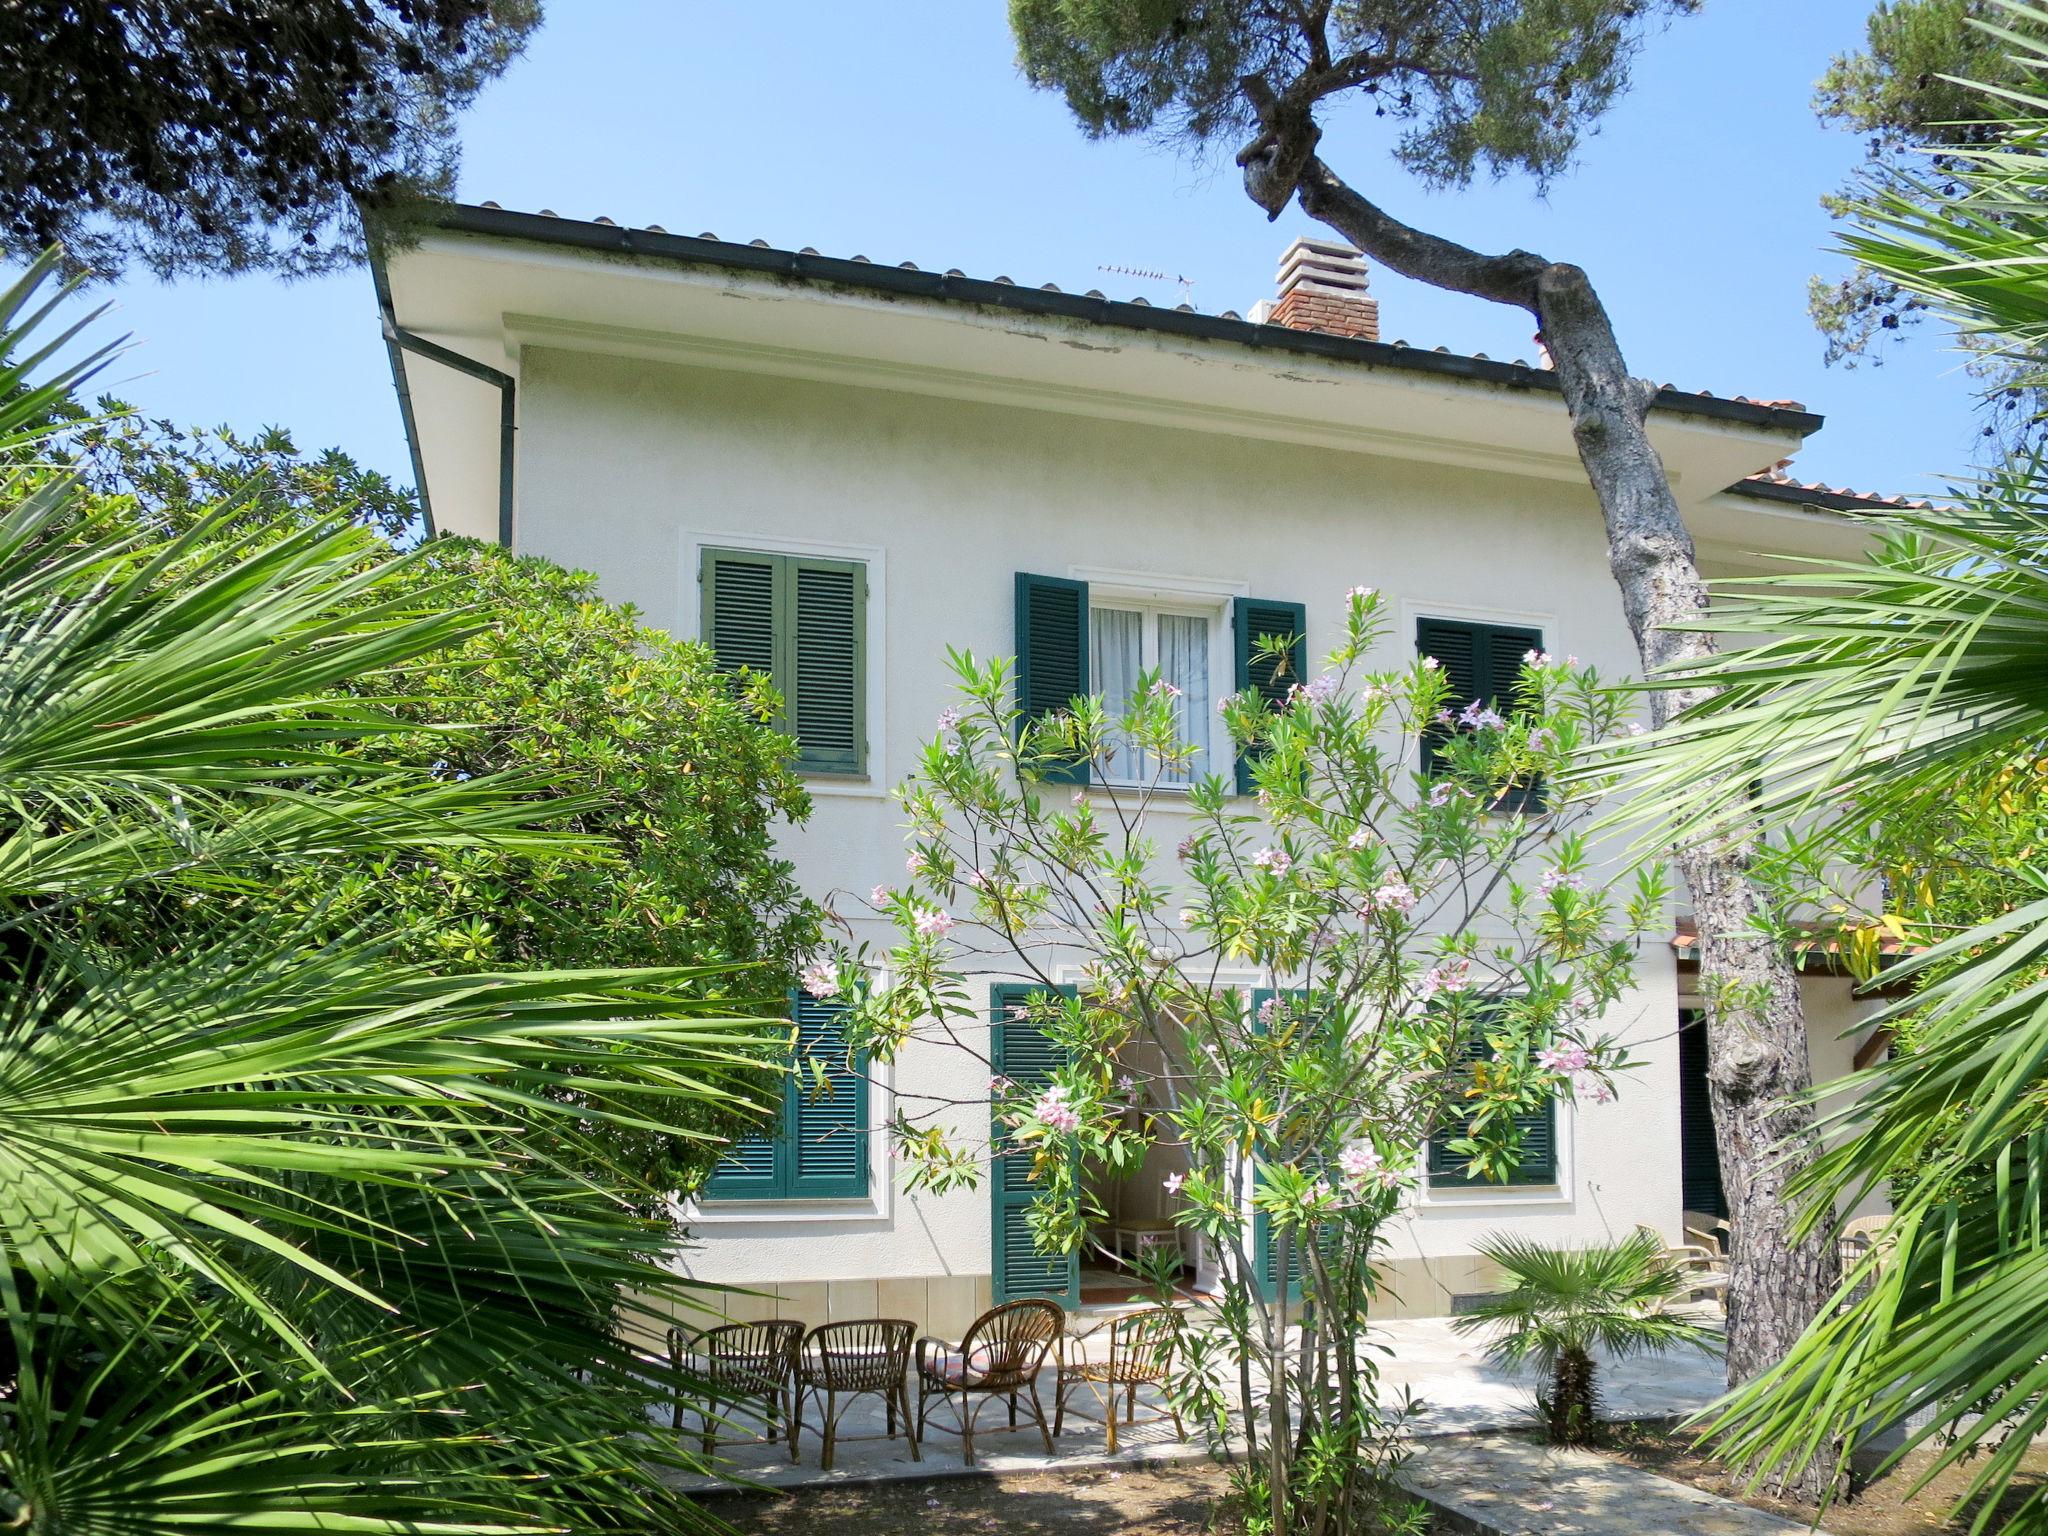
(1137, 1208)
(1699, 1153)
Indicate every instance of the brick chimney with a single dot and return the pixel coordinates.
(1322, 288)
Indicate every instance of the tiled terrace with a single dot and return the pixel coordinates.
(1446, 1372)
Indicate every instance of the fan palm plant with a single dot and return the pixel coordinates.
(295, 1237)
(1563, 1304)
(1875, 690)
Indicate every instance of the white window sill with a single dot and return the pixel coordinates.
(1480, 1199)
(734, 1213)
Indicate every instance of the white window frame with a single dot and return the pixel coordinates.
(1189, 596)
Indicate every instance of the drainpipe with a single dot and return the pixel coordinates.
(398, 341)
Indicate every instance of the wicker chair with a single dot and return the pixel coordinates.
(842, 1361)
(1859, 1236)
(742, 1364)
(1141, 1346)
(1000, 1357)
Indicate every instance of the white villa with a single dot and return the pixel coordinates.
(833, 469)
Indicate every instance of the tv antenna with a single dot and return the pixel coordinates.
(1187, 284)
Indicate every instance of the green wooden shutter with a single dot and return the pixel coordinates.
(1021, 1051)
(1052, 657)
(752, 1170)
(825, 673)
(757, 1167)
(1252, 620)
(818, 1149)
(1483, 662)
(742, 596)
(801, 623)
(828, 1142)
(1538, 1164)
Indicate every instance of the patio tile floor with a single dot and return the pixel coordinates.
(1447, 1373)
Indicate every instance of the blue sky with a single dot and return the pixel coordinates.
(903, 132)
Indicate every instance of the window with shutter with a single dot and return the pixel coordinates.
(801, 622)
(1052, 658)
(1538, 1128)
(1481, 662)
(1254, 622)
(1021, 1051)
(818, 1149)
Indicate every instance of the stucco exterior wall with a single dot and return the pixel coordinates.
(628, 467)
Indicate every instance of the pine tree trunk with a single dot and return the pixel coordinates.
(1757, 1056)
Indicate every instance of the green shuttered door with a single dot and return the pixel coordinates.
(1253, 621)
(1021, 1052)
(1265, 1241)
(1052, 656)
(802, 623)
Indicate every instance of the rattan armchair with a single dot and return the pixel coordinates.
(742, 1364)
(1000, 1357)
(1141, 1346)
(842, 1361)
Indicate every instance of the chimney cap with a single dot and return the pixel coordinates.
(1326, 266)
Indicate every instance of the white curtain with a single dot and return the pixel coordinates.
(1184, 662)
(1116, 639)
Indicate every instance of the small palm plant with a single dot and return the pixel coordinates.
(1564, 1303)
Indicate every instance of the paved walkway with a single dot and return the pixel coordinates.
(1498, 1485)
(1447, 1372)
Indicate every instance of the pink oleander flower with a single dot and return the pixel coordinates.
(1360, 1163)
(1560, 879)
(1358, 840)
(1188, 917)
(1452, 976)
(1172, 1183)
(1000, 1084)
(978, 879)
(1126, 1083)
(821, 978)
(1320, 1191)
(1278, 860)
(1164, 690)
(1054, 1112)
(1542, 739)
(1635, 728)
(950, 718)
(915, 864)
(1445, 717)
(1477, 717)
(1268, 1010)
(1563, 1059)
(1315, 690)
(1186, 848)
(1571, 661)
(879, 896)
(1359, 594)
(1440, 793)
(1536, 658)
(936, 923)
(1430, 664)
(1395, 896)
(1080, 797)
(1598, 1092)
(1223, 704)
